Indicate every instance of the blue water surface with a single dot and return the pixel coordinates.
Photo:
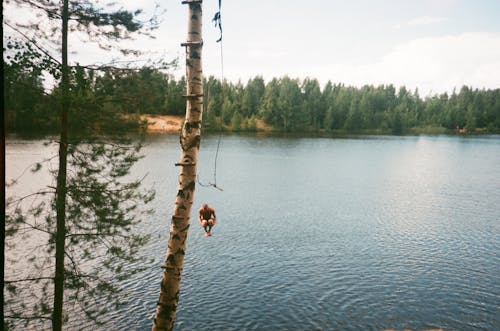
(359, 233)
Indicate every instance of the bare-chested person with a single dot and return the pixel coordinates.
(207, 218)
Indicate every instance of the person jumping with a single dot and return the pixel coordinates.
(207, 218)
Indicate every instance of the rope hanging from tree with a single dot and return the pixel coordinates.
(217, 23)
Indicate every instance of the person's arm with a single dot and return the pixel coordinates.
(199, 217)
(215, 216)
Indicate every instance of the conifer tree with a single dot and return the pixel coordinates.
(85, 223)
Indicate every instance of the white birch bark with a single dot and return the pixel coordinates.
(190, 143)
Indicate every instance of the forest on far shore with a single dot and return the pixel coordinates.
(287, 104)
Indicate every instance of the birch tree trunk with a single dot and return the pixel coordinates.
(190, 143)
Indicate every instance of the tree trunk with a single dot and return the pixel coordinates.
(57, 314)
(190, 144)
(2, 170)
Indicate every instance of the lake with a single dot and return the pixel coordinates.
(354, 233)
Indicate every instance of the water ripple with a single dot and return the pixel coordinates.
(346, 234)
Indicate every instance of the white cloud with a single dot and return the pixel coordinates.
(426, 20)
(434, 64)
(420, 21)
(441, 4)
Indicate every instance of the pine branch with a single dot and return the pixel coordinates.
(7, 281)
(30, 318)
(36, 164)
(30, 195)
(33, 42)
(36, 228)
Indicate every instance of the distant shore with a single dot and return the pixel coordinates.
(162, 123)
(173, 124)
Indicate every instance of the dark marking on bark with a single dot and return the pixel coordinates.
(189, 2)
(192, 125)
(168, 270)
(176, 296)
(190, 186)
(176, 219)
(185, 229)
(194, 55)
(188, 144)
(164, 287)
(171, 259)
(183, 144)
(186, 161)
(166, 310)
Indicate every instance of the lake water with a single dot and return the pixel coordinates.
(362, 233)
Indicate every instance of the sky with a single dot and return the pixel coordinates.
(432, 45)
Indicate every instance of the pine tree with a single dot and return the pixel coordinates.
(91, 212)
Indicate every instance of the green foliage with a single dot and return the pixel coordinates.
(103, 209)
(25, 102)
(227, 112)
(236, 121)
(95, 205)
(252, 124)
(294, 105)
(100, 99)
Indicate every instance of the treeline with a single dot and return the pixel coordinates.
(302, 105)
(284, 103)
(98, 99)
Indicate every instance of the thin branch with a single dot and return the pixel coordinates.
(33, 317)
(26, 280)
(34, 227)
(97, 235)
(113, 65)
(49, 12)
(13, 181)
(30, 195)
(33, 42)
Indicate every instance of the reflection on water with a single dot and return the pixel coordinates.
(327, 234)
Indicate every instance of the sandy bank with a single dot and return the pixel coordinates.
(173, 124)
(163, 123)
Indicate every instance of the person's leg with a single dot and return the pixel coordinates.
(204, 225)
(210, 224)
(207, 227)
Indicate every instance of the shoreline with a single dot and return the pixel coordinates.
(172, 124)
(161, 123)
